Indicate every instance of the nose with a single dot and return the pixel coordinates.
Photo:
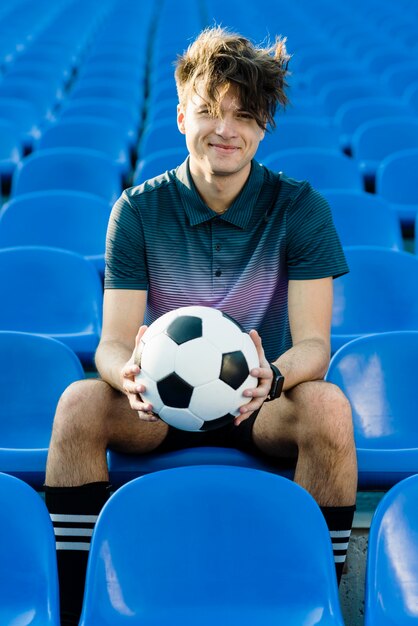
(225, 127)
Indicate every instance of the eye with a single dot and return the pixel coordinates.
(244, 115)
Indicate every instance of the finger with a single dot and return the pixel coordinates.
(140, 334)
(259, 347)
(130, 370)
(147, 416)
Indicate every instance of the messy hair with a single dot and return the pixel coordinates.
(219, 59)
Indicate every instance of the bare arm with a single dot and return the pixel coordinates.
(123, 314)
(310, 311)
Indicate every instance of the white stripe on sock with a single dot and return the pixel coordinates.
(339, 559)
(340, 534)
(72, 545)
(89, 519)
(74, 532)
(340, 546)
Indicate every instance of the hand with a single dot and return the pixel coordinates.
(132, 389)
(265, 379)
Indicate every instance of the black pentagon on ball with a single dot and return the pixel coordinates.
(184, 328)
(174, 391)
(234, 369)
(218, 422)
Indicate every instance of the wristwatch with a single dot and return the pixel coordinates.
(276, 385)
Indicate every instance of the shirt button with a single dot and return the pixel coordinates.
(218, 247)
(218, 273)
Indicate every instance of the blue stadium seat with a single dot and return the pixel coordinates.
(356, 112)
(132, 94)
(94, 134)
(77, 169)
(298, 132)
(11, 150)
(115, 111)
(396, 184)
(179, 559)
(364, 219)
(158, 162)
(24, 116)
(377, 374)
(399, 76)
(333, 95)
(54, 292)
(28, 569)
(410, 97)
(29, 402)
(39, 93)
(377, 139)
(72, 220)
(391, 587)
(323, 168)
(160, 135)
(379, 294)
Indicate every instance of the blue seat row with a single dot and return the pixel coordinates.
(191, 542)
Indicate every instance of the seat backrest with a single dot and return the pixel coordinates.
(339, 92)
(28, 570)
(379, 294)
(299, 132)
(376, 373)
(180, 558)
(391, 589)
(160, 135)
(49, 291)
(396, 177)
(50, 367)
(78, 169)
(72, 220)
(376, 139)
(323, 168)
(363, 219)
(157, 163)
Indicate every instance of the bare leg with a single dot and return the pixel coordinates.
(313, 421)
(91, 416)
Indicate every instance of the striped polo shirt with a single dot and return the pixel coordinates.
(163, 238)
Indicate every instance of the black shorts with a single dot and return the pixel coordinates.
(229, 436)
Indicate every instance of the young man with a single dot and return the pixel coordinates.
(220, 230)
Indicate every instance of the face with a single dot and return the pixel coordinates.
(219, 146)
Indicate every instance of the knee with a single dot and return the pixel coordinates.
(325, 417)
(80, 411)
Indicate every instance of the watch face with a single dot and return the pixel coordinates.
(277, 383)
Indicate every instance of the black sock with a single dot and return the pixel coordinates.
(73, 512)
(339, 520)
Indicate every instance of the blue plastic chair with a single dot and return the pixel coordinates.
(29, 402)
(379, 294)
(323, 168)
(298, 132)
(179, 559)
(77, 169)
(377, 139)
(396, 184)
(53, 292)
(364, 219)
(399, 76)
(333, 95)
(391, 588)
(356, 112)
(115, 111)
(40, 94)
(158, 162)
(132, 94)
(72, 220)
(24, 116)
(95, 134)
(28, 569)
(160, 135)
(376, 373)
(11, 149)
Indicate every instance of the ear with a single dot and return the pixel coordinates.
(180, 119)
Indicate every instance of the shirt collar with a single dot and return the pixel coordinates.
(240, 211)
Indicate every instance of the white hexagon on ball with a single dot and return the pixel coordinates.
(198, 362)
(151, 392)
(152, 363)
(213, 400)
(181, 418)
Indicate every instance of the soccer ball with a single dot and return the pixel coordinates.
(195, 364)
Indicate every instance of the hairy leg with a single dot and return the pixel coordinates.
(313, 421)
(91, 416)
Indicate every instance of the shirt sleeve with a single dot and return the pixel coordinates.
(314, 249)
(126, 266)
